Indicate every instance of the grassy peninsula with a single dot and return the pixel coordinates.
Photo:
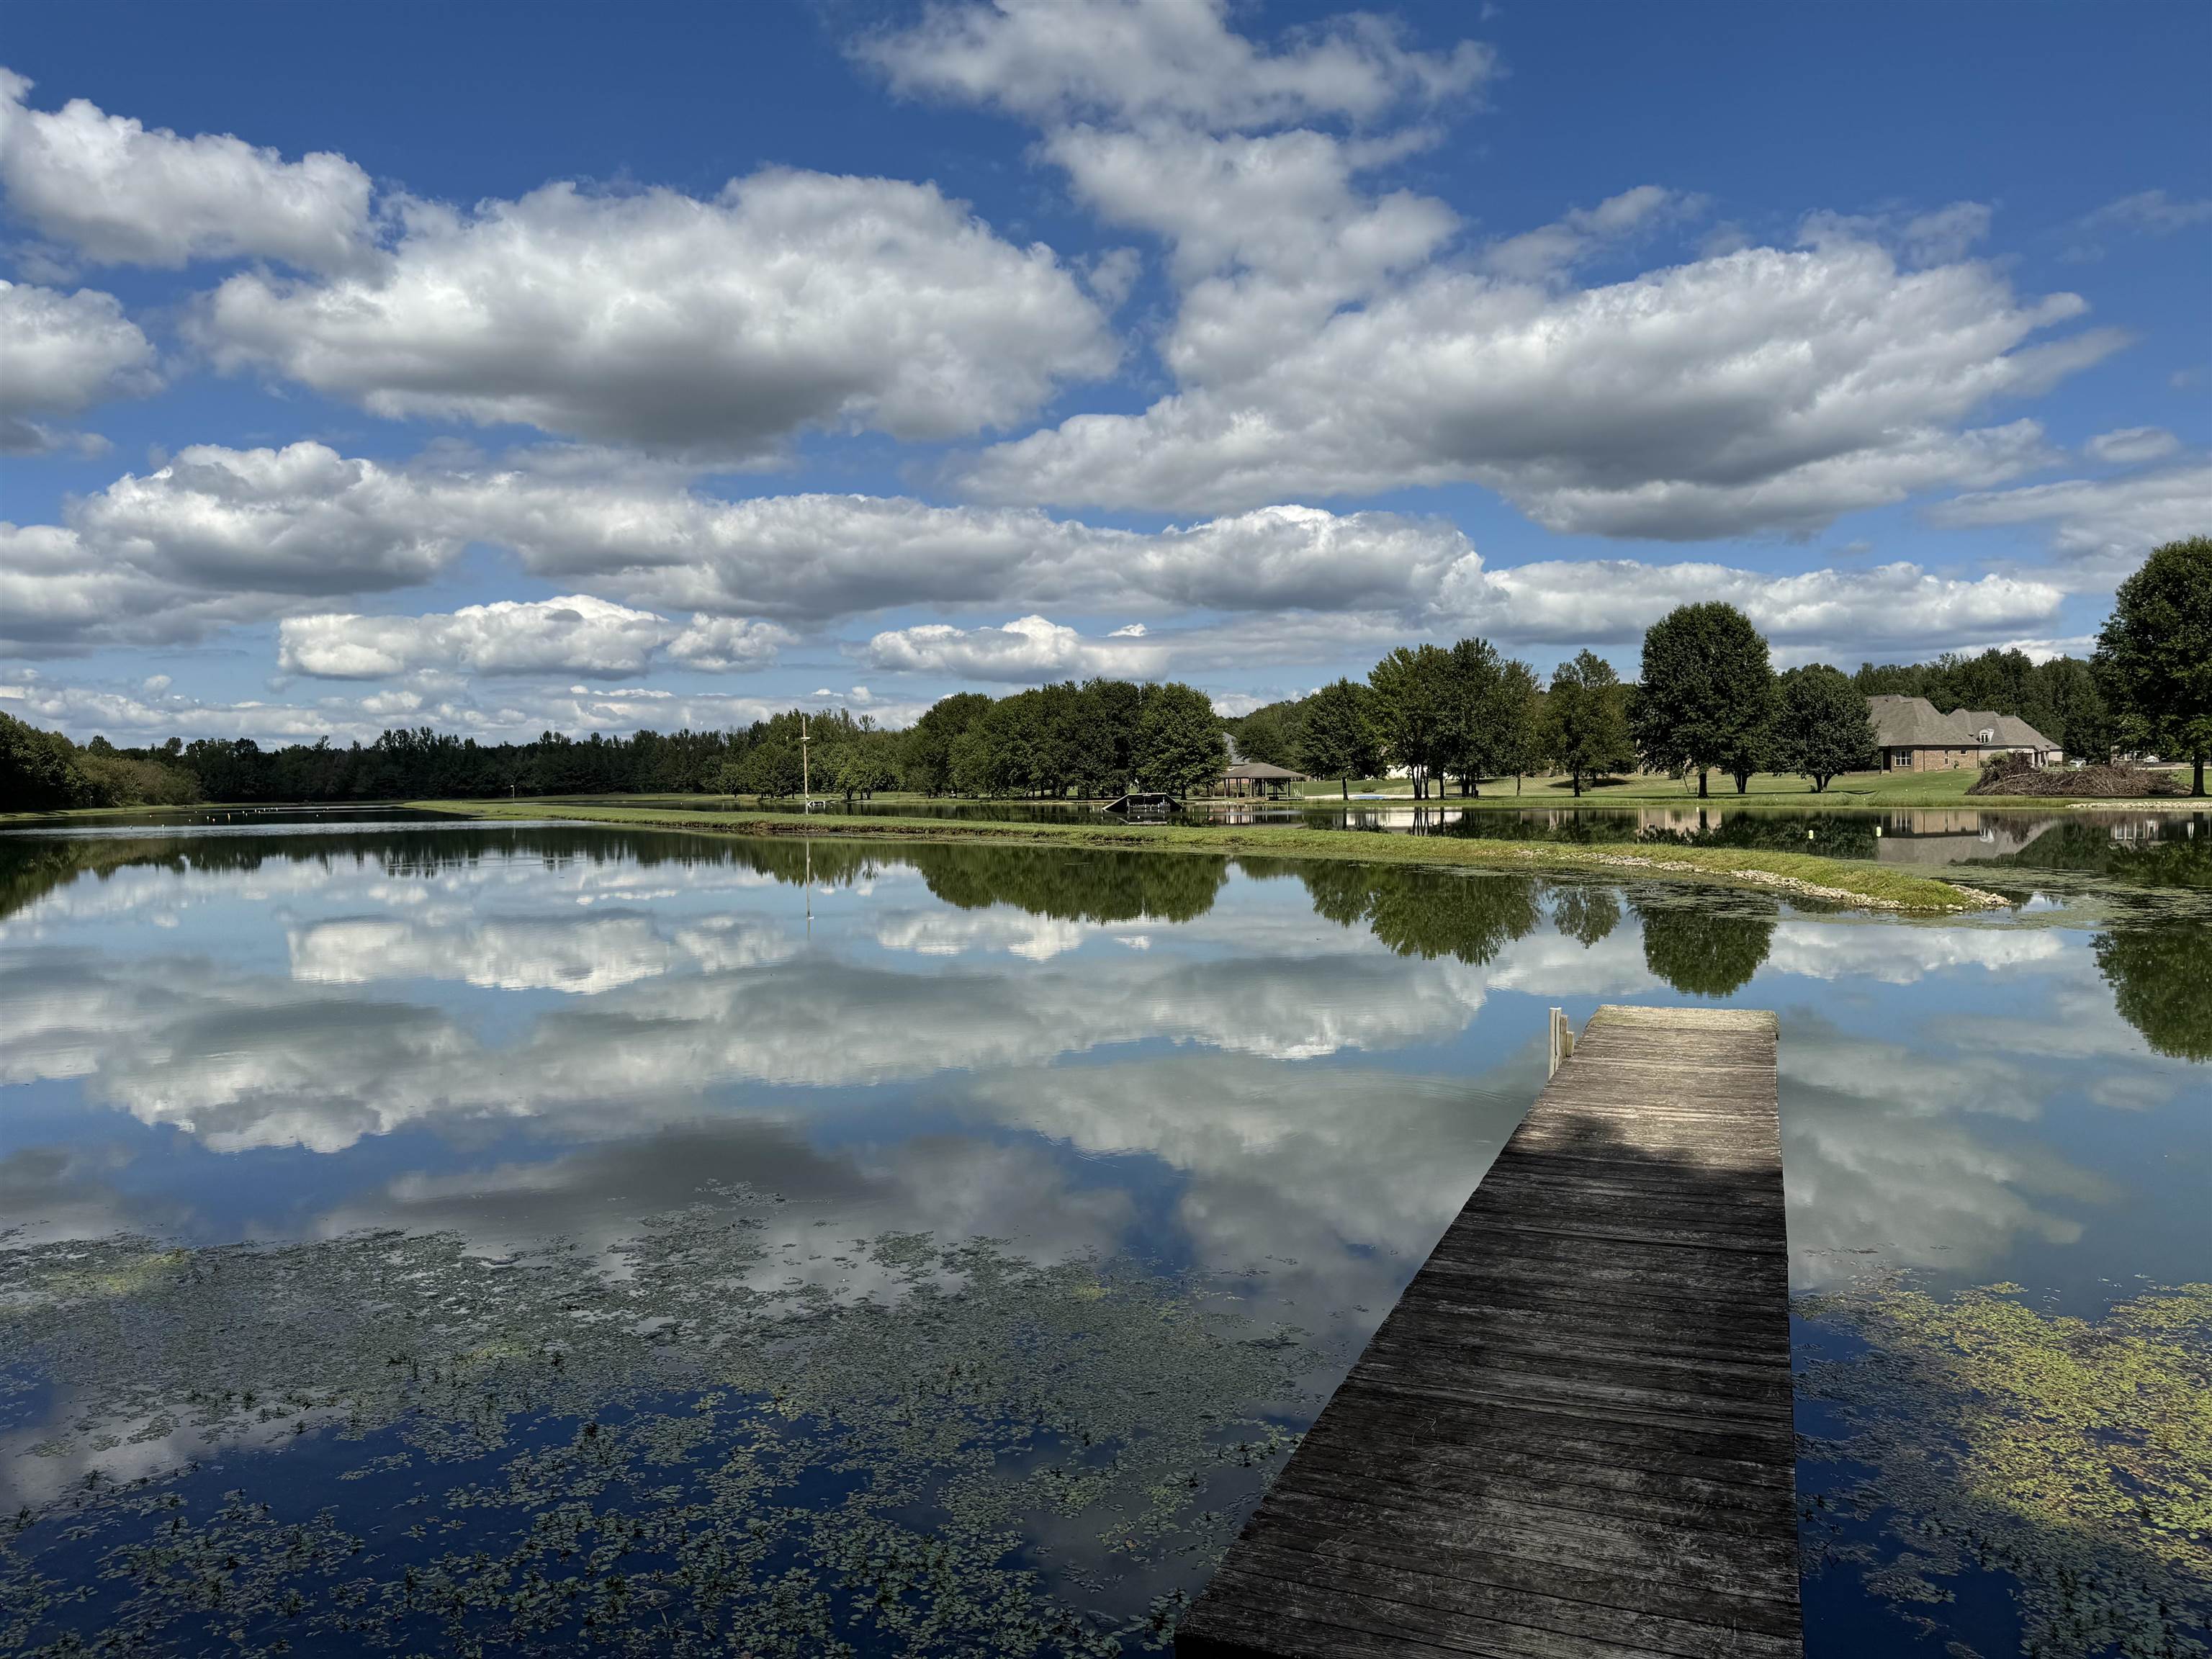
(1844, 881)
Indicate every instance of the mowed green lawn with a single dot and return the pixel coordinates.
(1868, 790)
(1864, 789)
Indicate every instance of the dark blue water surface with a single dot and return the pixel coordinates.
(528, 1238)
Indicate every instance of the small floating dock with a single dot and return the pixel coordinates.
(1141, 804)
(1571, 1438)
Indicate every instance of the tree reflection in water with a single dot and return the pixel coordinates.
(1701, 944)
(1706, 945)
(1585, 914)
(2165, 850)
(1427, 913)
(1085, 885)
(2162, 980)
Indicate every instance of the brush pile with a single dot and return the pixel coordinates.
(2014, 774)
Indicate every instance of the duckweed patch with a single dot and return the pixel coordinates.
(674, 1448)
(2074, 1455)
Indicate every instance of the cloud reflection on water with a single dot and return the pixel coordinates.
(1300, 1051)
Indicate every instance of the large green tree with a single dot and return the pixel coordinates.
(2154, 654)
(929, 742)
(1105, 720)
(1413, 709)
(1476, 705)
(772, 767)
(40, 768)
(1520, 722)
(1179, 748)
(1821, 726)
(1337, 738)
(1585, 721)
(1706, 695)
(862, 767)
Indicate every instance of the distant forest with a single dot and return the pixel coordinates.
(1093, 739)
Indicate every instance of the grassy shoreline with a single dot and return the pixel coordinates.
(1870, 791)
(1803, 875)
(1860, 792)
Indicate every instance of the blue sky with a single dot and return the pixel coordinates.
(798, 351)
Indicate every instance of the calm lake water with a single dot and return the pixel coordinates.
(517, 1239)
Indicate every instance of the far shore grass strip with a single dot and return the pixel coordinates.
(1801, 875)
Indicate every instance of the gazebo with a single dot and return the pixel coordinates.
(1248, 778)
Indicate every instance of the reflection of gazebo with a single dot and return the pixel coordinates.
(1256, 778)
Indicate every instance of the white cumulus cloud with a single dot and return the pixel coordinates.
(2108, 524)
(216, 536)
(718, 327)
(573, 634)
(222, 535)
(1331, 340)
(1132, 60)
(1027, 651)
(1762, 389)
(62, 354)
(1551, 251)
(1570, 602)
(118, 193)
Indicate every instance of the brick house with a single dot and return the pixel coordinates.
(1913, 737)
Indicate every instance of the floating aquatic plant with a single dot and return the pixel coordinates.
(669, 1448)
(2075, 1456)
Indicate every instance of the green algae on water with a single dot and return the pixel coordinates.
(2075, 1456)
(680, 1446)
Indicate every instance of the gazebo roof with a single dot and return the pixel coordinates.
(1260, 772)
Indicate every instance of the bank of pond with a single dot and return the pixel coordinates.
(510, 1237)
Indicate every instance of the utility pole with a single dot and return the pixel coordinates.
(805, 774)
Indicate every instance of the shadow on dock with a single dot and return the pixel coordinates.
(1572, 1436)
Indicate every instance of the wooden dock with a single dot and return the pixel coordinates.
(1571, 1438)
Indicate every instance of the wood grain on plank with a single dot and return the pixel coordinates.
(1571, 1438)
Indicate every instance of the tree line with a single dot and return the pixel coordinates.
(1100, 737)
(1707, 699)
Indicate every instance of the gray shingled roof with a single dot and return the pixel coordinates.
(2010, 729)
(2017, 731)
(1913, 723)
(1261, 771)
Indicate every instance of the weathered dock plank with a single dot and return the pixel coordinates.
(1571, 1438)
